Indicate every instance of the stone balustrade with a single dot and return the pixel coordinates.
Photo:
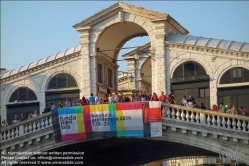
(206, 117)
(25, 127)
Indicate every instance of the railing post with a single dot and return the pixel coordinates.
(21, 129)
(203, 118)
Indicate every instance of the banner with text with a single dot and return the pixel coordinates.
(133, 119)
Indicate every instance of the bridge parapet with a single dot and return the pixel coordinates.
(205, 117)
(225, 134)
(209, 130)
(25, 127)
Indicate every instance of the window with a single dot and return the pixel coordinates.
(235, 75)
(203, 92)
(23, 94)
(62, 80)
(110, 78)
(189, 68)
(100, 73)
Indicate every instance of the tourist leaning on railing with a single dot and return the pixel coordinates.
(22, 118)
(4, 123)
(15, 120)
(242, 111)
(233, 110)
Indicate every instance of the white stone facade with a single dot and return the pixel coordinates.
(37, 79)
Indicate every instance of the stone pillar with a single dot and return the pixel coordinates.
(115, 77)
(131, 69)
(213, 92)
(87, 62)
(138, 79)
(168, 83)
(159, 65)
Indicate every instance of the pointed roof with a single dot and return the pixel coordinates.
(113, 9)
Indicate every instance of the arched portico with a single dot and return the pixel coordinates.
(110, 29)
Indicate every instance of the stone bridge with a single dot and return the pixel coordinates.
(215, 132)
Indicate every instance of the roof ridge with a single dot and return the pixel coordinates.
(36, 62)
(216, 43)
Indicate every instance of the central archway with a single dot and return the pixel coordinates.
(109, 42)
(116, 35)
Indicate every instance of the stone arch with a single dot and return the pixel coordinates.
(144, 23)
(187, 57)
(10, 89)
(229, 65)
(26, 83)
(58, 70)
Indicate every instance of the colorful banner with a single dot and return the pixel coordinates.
(131, 119)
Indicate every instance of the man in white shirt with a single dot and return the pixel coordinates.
(97, 99)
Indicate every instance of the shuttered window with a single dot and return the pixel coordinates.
(110, 79)
(23, 94)
(99, 73)
(235, 75)
(62, 80)
(189, 68)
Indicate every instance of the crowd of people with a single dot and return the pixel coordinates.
(114, 98)
(141, 96)
(22, 116)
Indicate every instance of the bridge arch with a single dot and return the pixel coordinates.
(122, 32)
(130, 151)
(111, 34)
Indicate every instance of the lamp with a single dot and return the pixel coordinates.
(131, 78)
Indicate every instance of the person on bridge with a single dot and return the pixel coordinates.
(91, 100)
(233, 110)
(184, 100)
(97, 99)
(22, 117)
(47, 109)
(84, 101)
(242, 111)
(222, 108)
(34, 114)
(52, 107)
(162, 97)
(16, 119)
(215, 108)
(4, 123)
(154, 97)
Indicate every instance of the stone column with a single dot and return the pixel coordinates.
(138, 79)
(213, 92)
(115, 77)
(159, 65)
(168, 83)
(87, 62)
(131, 69)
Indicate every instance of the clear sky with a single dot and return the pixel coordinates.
(33, 30)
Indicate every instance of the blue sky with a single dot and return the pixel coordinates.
(33, 30)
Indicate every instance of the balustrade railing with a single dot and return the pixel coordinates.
(26, 127)
(205, 117)
(170, 111)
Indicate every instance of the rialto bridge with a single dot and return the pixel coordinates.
(186, 132)
(211, 70)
